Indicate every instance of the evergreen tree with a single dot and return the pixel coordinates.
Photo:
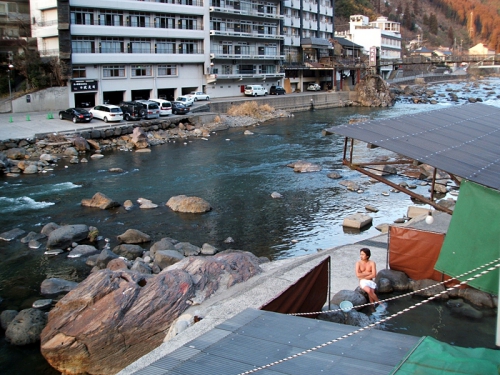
(451, 35)
(433, 24)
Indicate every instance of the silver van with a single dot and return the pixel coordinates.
(165, 106)
(149, 109)
(255, 90)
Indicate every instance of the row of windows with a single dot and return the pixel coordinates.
(243, 26)
(227, 48)
(119, 71)
(119, 45)
(245, 69)
(247, 6)
(83, 16)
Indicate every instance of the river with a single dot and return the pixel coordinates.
(235, 173)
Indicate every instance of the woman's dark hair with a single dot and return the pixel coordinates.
(366, 251)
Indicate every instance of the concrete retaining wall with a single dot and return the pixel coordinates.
(293, 102)
(51, 99)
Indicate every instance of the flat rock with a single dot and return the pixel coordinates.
(12, 234)
(357, 221)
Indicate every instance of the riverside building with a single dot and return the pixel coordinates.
(381, 37)
(127, 50)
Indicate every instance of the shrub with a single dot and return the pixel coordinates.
(251, 109)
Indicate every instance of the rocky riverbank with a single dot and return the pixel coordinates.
(31, 156)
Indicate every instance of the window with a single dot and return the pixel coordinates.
(165, 21)
(267, 69)
(218, 24)
(246, 69)
(167, 70)
(188, 47)
(110, 18)
(165, 46)
(113, 71)
(79, 72)
(81, 16)
(141, 70)
(112, 45)
(82, 45)
(227, 69)
(140, 46)
(139, 20)
(187, 23)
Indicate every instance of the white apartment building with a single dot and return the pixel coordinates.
(138, 49)
(245, 45)
(125, 50)
(383, 34)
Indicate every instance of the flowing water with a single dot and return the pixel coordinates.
(235, 173)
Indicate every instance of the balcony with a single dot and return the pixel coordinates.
(249, 56)
(246, 35)
(245, 12)
(240, 77)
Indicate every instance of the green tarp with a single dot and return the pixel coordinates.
(432, 357)
(473, 237)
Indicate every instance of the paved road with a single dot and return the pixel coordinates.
(27, 125)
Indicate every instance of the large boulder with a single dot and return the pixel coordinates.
(94, 329)
(64, 236)
(139, 138)
(26, 327)
(373, 91)
(128, 251)
(183, 203)
(165, 243)
(302, 166)
(165, 258)
(399, 280)
(99, 200)
(133, 236)
(55, 285)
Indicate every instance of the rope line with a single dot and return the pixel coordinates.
(402, 295)
(310, 350)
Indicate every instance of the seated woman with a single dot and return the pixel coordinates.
(366, 270)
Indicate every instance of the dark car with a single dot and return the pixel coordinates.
(132, 111)
(179, 108)
(277, 90)
(76, 115)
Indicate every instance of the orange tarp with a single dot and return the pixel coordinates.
(415, 252)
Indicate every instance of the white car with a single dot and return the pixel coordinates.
(198, 95)
(107, 112)
(314, 87)
(187, 100)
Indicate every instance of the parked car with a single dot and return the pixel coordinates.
(255, 90)
(314, 87)
(149, 109)
(277, 90)
(107, 112)
(165, 106)
(131, 110)
(179, 108)
(76, 115)
(188, 101)
(198, 95)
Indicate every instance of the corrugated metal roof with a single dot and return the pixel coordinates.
(255, 338)
(462, 140)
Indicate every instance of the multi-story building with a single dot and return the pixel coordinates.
(14, 29)
(382, 34)
(308, 27)
(134, 49)
(245, 45)
(125, 50)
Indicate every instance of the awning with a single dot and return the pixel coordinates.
(461, 140)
